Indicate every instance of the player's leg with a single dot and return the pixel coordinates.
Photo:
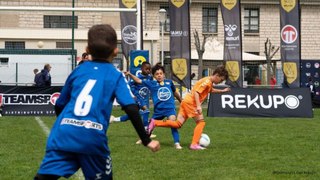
(58, 164)
(174, 131)
(96, 167)
(200, 124)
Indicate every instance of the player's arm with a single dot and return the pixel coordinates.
(214, 90)
(197, 100)
(134, 78)
(132, 111)
(177, 95)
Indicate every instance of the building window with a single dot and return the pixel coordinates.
(251, 20)
(15, 45)
(209, 20)
(4, 61)
(59, 22)
(167, 22)
(64, 45)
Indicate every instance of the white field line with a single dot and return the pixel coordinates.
(79, 174)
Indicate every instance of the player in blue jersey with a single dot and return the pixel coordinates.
(78, 136)
(163, 92)
(141, 94)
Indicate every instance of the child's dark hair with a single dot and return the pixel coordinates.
(145, 63)
(156, 68)
(102, 40)
(221, 71)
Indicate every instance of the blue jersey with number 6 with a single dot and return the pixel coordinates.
(87, 99)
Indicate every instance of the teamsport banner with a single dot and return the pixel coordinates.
(128, 27)
(180, 41)
(137, 57)
(28, 100)
(290, 41)
(240, 102)
(231, 16)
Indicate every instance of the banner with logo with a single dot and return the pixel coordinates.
(128, 27)
(137, 57)
(232, 55)
(290, 41)
(289, 102)
(28, 100)
(311, 69)
(180, 41)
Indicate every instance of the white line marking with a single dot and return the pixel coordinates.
(78, 174)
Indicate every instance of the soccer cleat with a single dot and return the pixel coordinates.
(111, 120)
(151, 126)
(153, 136)
(139, 141)
(196, 147)
(177, 146)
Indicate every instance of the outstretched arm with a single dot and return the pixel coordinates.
(134, 78)
(221, 90)
(133, 112)
(177, 95)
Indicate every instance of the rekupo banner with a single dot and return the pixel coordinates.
(128, 27)
(290, 41)
(231, 16)
(180, 41)
(252, 102)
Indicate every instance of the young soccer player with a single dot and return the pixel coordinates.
(163, 92)
(191, 105)
(78, 137)
(141, 94)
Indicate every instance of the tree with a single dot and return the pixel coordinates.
(200, 50)
(270, 50)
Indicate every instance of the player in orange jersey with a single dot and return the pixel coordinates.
(191, 105)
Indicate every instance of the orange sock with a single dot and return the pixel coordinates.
(168, 123)
(198, 131)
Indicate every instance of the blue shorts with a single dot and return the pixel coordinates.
(163, 113)
(142, 102)
(65, 164)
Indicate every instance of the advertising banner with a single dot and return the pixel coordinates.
(232, 55)
(28, 100)
(290, 41)
(310, 70)
(288, 102)
(128, 27)
(180, 41)
(137, 57)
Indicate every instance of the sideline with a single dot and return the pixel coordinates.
(46, 130)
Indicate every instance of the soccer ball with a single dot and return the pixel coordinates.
(204, 140)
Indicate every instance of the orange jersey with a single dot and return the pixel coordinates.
(203, 87)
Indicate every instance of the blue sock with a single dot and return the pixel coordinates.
(124, 118)
(145, 117)
(175, 135)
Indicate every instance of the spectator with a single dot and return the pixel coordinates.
(85, 57)
(273, 81)
(37, 75)
(44, 78)
(257, 80)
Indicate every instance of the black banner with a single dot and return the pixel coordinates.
(28, 100)
(288, 102)
(310, 70)
(231, 16)
(290, 41)
(128, 27)
(180, 41)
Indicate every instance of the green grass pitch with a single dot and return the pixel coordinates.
(241, 148)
